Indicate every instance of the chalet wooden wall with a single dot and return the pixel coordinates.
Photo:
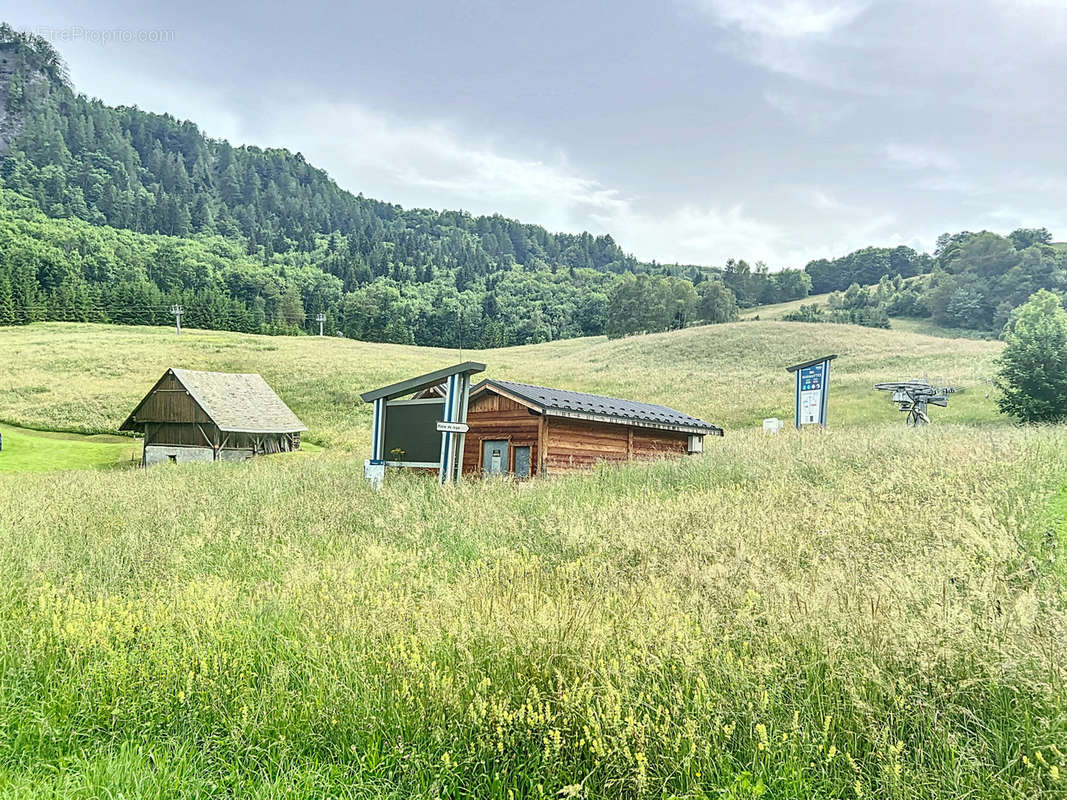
(491, 416)
(649, 443)
(577, 444)
(560, 444)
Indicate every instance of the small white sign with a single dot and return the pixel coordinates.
(810, 406)
(453, 427)
(772, 425)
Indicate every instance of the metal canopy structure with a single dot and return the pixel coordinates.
(811, 363)
(409, 424)
(420, 382)
(912, 398)
(812, 391)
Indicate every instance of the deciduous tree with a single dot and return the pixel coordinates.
(1032, 375)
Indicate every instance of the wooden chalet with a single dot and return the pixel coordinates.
(212, 416)
(525, 430)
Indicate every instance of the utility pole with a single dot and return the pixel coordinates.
(176, 310)
(320, 318)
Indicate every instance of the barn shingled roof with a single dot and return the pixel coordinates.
(611, 409)
(236, 402)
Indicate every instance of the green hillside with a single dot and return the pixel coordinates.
(65, 376)
(779, 310)
(116, 215)
(923, 325)
(136, 212)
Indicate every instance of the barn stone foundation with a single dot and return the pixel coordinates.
(163, 454)
(174, 454)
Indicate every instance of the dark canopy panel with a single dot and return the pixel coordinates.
(413, 429)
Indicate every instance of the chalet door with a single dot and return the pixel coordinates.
(522, 462)
(495, 456)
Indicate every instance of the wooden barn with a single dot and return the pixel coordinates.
(212, 416)
(524, 430)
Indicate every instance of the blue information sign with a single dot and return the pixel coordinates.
(812, 389)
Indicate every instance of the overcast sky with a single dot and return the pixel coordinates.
(691, 130)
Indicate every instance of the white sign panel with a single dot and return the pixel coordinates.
(811, 391)
(453, 427)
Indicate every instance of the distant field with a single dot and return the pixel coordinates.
(910, 325)
(66, 376)
(930, 328)
(779, 310)
(37, 451)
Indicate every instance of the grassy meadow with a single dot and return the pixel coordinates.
(866, 612)
(27, 450)
(87, 378)
(775, 311)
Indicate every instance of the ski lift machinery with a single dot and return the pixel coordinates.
(913, 398)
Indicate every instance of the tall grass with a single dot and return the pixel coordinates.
(863, 613)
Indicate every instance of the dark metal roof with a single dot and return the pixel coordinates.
(560, 402)
(811, 363)
(412, 385)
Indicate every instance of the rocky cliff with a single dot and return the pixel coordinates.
(24, 73)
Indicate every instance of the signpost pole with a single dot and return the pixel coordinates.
(461, 439)
(447, 438)
(374, 468)
(825, 392)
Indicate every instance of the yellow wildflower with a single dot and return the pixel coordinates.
(761, 731)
